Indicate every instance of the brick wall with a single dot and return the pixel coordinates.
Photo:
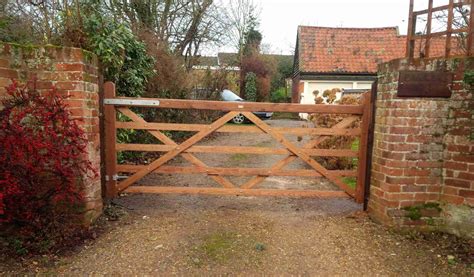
(73, 72)
(423, 156)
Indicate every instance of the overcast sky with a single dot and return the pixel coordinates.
(279, 19)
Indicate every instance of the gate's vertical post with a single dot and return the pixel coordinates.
(110, 140)
(362, 157)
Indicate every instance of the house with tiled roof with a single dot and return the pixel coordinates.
(344, 58)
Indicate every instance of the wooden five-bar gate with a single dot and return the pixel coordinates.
(186, 149)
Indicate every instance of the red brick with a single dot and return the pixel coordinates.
(428, 180)
(455, 165)
(402, 164)
(394, 121)
(75, 76)
(433, 189)
(450, 190)
(76, 54)
(413, 188)
(466, 176)
(4, 63)
(424, 139)
(43, 85)
(464, 158)
(390, 188)
(76, 94)
(400, 180)
(461, 131)
(429, 164)
(399, 196)
(403, 147)
(457, 183)
(406, 113)
(394, 138)
(75, 103)
(8, 73)
(452, 199)
(392, 171)
(466, 193)
(416, 172)
(378, 176)
(407, 203)
(393, 155)
(377, 193)
(457, 86)
(427, 196)
(417, 156)
(404, 130)
(450, 173)
(69, 67)
(68, 85)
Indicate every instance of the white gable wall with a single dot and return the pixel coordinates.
(307, 97)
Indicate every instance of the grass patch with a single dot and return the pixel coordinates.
(238, 157)
(226, 247)
(355, 144)
(219, 246)
(350, 181)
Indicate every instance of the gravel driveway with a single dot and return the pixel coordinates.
(235, 235)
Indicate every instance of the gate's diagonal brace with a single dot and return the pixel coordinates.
(291, 147)
(166, 140)
(178, 150)
(346, 122)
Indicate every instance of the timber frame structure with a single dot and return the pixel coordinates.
(352, 113)
(446, 35)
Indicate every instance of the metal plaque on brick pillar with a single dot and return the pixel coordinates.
(424, 84)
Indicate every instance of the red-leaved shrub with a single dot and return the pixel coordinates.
(42, 164)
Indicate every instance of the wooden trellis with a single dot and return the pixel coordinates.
(187, 148)
(447, 35)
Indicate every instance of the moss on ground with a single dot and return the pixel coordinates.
(225, 247)
(238, 157)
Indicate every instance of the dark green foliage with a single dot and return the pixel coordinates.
(414, 212)
(469, 77)
(123, 57)
(251, 87)
(284, 71)
(279, 95)
(253, 38)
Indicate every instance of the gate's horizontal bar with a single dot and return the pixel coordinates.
(132, 102)
(235, 149)
(238, 129)
(236, 191)
(235, 106)
(235, 171)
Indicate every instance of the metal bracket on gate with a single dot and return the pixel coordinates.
(115, 177)
(131, 102)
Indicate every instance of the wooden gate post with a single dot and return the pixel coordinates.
(110, 140)
(362, 157)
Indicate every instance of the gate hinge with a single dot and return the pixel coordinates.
(115, 177)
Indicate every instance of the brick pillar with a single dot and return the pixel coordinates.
(73, 72)
(423, 148)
